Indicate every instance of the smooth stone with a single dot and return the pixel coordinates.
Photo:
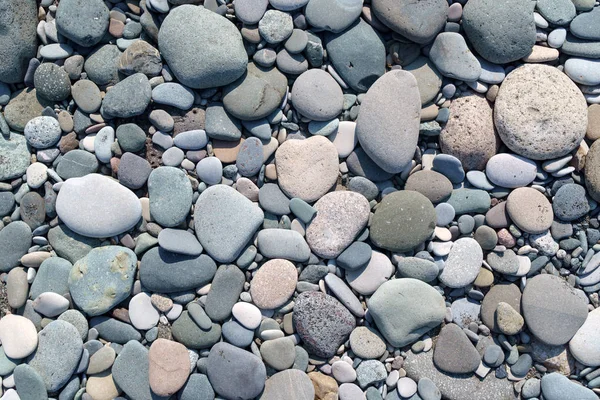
(397, 211)
(357, 54)
(354, 256)
(510, 170)
(179, 241)
(42, 132)
(466, 201)
(259, 128)
(293, 64)
(450, 167)
(505, 262)
(556, 386)
(210, 170)
(583, 71)
(250, 12)
(491, 73)
(56, 51)
(78, 320)
(403, 319)
(220, 125)
(529, 210)
(344, 138)
(113, 330)
(580, 48)
(37, 175)
(183, 272)
(308, 168)
(208, 54)
(197, 387)
(387, 126)
(102, 65)
(367, 279)
(174, 95)
(370, 372)
(169, 367)
(188, 333)
(18, 39)
(344, 294)
(454, 353)
(341, 216)
(33, 210)
(84, 22)
(59, 340)
(479, 180)
(273, 200)
(96, 206)
(281, 384)
(18, 335)
(224, 361)
(15, 156)
(142, 313)
(268, 82)
(463, 263)
(583, 345)
(592, 171)
(557, 37)
(102, 279)
(70, 245)
(224, 292)
(219, 211)
(50, 304)
(317, 96)
(585, 25)
(333, 16)
(557, 12)
(131, 137)
(17, 287)
(570, 203)
(367, 343)
(494, 40)
(418, 22)
(191, 140)
(247, 314)
(133, 171)
(170, 193)
(360, 164)
(23, 106)
(364, 186)
(453, 58)
(278, 353)
(546, 296)
(15, 240)
(283, 243)
(534, 100)
(268, 296)
(128, 98)
(237, 335)
(131, 371)
(417, 268)
(250, 157)
(29, 383)
(101, 360)
(322, 323)
(297, 41)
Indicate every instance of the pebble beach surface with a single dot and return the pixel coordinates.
(299, 199)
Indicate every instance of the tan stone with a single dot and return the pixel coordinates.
(485, 278)
(169, 367)
(326, 388)
(541, 54)
(555, 358)
(102, 386)
(593, 126)
(509, 321)
(225, 151)
(264, 293)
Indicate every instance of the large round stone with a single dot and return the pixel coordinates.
(553, 310)
(307, 168)
(387, 126)
(469, 134)
(402, 221)
(540, 113)
(317, 96)
(256, 94)
(202, 48)
(500, 31)
(418, 21)
(97, 206)
(83, 21)
(404, 309)
(102, 279)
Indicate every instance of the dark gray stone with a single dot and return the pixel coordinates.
(128, 98)
(83, 21)
(15, 240)
(225, 291)
(113, 330)
(18, 38)
(225, 361)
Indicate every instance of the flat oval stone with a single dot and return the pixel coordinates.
(267, 295)
(403, 220)
(59, 340)
(183, 272)
(170, 193)
(417, 268)
(586, 25)
(102, 279)
(187, 332)
(224, 361)
(179, 241)
(15, 240)
(583, 70)
(510, 170)
(128, 98)
(452, 57)
(142, 313)
(404, 309)
(366, 343)
(256, 94)
(50, 304)
(96, 206)
(334, 16)
(317, 96)
(431, 184)
(534, 100)
(131, 371)
(225, 221)
(282, 243)
(387, 126)
(553, 311)
(465, 201)
(113, 330)
(322, 322)
(556, 386)
(174, 95)
(307, 168)
(357, 54)
(341, 216)
(463, 263)
(250, 157)
(225, 290)
(209, 53)
(367, 279)
(495, 40)
(18, 335)
(30, 383)
(529, 210)
(419, 22)
(454, 353)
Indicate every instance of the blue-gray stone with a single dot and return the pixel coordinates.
(221, 125)
(128, 98)
(449, 166)
(76, 319)
(334, 16)
(57, 355)
(360, 164)
(323, 128)
(557, 12)
(225, 361)
(70, 245)
(356, 256)
(570, 203)
(83, 21)
(466, 201)
(188, 333)
(77, 163)
(191, 140)
(102, 279)
(15, 156)
(7, 364)
(587, 25)
(15, 240)
(558, 387)
(584, 71)
(225, 291)
(250, 157)
(170, 193)
(165, 272)
(581, 48)
(18, 40)
(29, 384)
(259, 128)
(283, 243)
(113, 330)
(521, 367)
(131, 372)
(197, 388)
(174, 95)
(102, 66)
(453, 59)
(131, 137)
(179, 241)
(417, 268)
(273, 200)
(52, 276)
(301, 209)
(237, 335)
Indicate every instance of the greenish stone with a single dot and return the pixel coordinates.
(186, 332)
(70, 245)
(466, 201)
(7, 364)
(52, 276)
(14, 156)
(131, 137)
(301, 209)
(29, 384)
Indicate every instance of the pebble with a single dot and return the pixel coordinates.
(130, 371)
(18, 335)
(583, 71)
(570, 203)
(267, 296)
(169, 367)
(289, 381)
(15, 240)
(367, 279)
(174, 95)
(225, 360)
(529, 210)
(128, 98)
(170, 193)
(287, 244)
(389, 312)
(510, 170)
(179, 241)
(108, 207)
(85, 27)
(250, 157)
(463, 263)
(317, 96)
(454, 353)
(556, 386)
(42, 132)
(50, 304)
(463, 65)
(367, 343)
